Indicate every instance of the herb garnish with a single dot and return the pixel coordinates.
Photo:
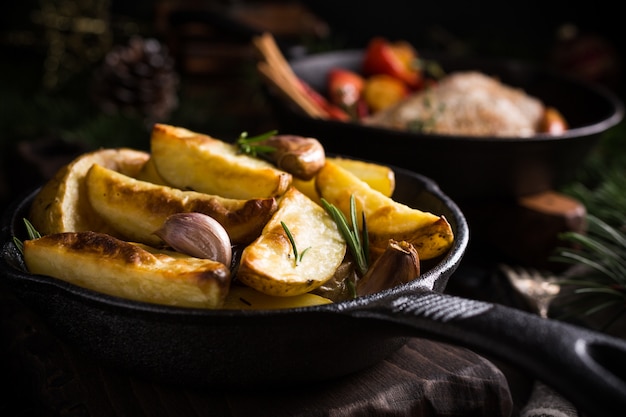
(419, 125)
(32, 234)
(250, 146)
(357, 244)
(298, 257)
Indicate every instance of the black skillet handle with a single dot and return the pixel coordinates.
(586, 367)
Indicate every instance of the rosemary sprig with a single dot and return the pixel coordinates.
(32, 234)
(250, 146)
(358, 244)
(297, 257)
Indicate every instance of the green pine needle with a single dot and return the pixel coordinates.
(601, 251)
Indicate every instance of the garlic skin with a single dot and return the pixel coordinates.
(397, 265)
(301, 156)
(198, 235)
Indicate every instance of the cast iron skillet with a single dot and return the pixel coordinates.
(468, 168)
(237, 349)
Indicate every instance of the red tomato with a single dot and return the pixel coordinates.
(394, 59)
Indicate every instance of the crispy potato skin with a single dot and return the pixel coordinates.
(62, 205)
(193, 161)
(268, 264)
(386, 219)
(103, 263)
(136, 209)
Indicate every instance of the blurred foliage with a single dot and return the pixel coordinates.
(69, 113)
(601, 182)
(596, 281)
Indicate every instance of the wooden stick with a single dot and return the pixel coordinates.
(287, 90)
(276, 70)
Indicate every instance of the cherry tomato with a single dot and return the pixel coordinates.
(397, 59)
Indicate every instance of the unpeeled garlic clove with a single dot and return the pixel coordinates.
(300, 156)
(341, 286)
(198, 235)
(397, 265)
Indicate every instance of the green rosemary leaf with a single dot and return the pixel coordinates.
(303, 252)
(365, 239)
(32, 234)
(355, 226)
(30, 229)
(250, 147)
(19, 244)
(357, 245)
(297, 257)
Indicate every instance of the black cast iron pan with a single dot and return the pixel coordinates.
(466, 167)
(235, 349)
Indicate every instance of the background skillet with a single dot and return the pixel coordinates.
(469, 168)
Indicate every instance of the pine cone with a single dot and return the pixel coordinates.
(138, 79)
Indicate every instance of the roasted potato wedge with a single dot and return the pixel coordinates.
(198, 162)
(62, 204)
(136, 209)
(245, 298)
(149, 173)
(269, 264)
(386, 218)
(108, 265)
(379, 177)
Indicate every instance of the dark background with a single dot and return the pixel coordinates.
(48, 111)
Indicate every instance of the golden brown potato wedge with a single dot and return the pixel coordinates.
(386, 218)
(269, 264)
(108, 265)
(149, 173)
(379, 177)
(193, 161)
(241, 297)
(62, 205)
(307, 187)
(136, 209)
